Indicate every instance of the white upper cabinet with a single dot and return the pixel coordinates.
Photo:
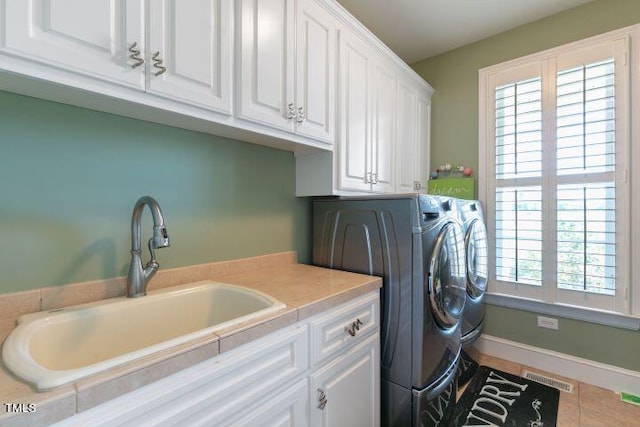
(408, 148)
(423, 140)
(187, 57)
(189, 51)
(299, 75)
(382, 144)
(266, 62)
(354, 107)
(284, 84)
(367, 118)
(94, 38)
(412, 150)
(383, 141)
(316, 56)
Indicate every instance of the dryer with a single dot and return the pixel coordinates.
(416, 244)
(476, 250)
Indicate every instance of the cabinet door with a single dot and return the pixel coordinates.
(346, 392)
(354, 109)
(191, 42)
(214, 391)
(384, 127)
(88, 37)
(266, 62)
(408, 147)
(315, 71)
(286, 408)
(424, 138)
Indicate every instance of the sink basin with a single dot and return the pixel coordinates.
(52, 348)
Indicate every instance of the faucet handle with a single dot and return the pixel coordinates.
(152, 249)
(152, 266)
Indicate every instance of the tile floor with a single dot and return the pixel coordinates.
(588, 406)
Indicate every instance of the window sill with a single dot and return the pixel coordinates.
(566, 311)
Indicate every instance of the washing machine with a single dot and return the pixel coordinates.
(476, 250)
(416, 243)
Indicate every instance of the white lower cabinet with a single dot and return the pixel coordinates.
(346, 392)
(272, 381)
(288, 408)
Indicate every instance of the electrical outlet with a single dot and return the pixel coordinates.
(547, 322)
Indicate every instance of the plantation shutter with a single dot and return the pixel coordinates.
(586, 192)
(518, 148)
(557, 191)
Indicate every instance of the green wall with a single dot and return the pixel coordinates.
(69, 178)
(454, 139)
(454, 74)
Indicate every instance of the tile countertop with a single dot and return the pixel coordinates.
(304, 289)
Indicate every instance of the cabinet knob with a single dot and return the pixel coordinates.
(374, 177)
(322, 399)
(301, 116)
(157, 64)
(291, 111)
(354, 327)
(135, 55)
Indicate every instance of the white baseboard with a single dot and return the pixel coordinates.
(584, 370)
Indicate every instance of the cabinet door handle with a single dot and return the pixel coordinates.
(351, 330)
(301, 116)
(367, 178)
(417, 186)
(291, 111)
(322, 400)
(374, 176)
(157, 64)
(135, 55)
(358, 323)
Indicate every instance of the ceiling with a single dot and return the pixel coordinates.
(418, 29)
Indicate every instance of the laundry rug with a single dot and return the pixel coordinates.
(466, 368)
(497, 398)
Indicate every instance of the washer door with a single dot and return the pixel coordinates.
(447, 276)
(475, 243)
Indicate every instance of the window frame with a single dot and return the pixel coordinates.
(548, 298)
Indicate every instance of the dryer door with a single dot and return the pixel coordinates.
(475, 243)
(447, 276)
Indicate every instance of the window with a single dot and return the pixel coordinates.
(554, 150)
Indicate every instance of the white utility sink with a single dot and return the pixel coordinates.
(52, 348)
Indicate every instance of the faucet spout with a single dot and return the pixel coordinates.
(139, 276)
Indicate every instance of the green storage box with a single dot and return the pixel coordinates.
(462, 188)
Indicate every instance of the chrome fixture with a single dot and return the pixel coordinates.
(139, 276)
(298, 115)
(157, 64)
(291, 111)
(302, 116)
(135, 55)
(354, 328)
(322, 399)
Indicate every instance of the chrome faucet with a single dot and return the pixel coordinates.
(138, 276)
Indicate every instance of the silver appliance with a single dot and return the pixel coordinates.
(415, 242)
(476, 250)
